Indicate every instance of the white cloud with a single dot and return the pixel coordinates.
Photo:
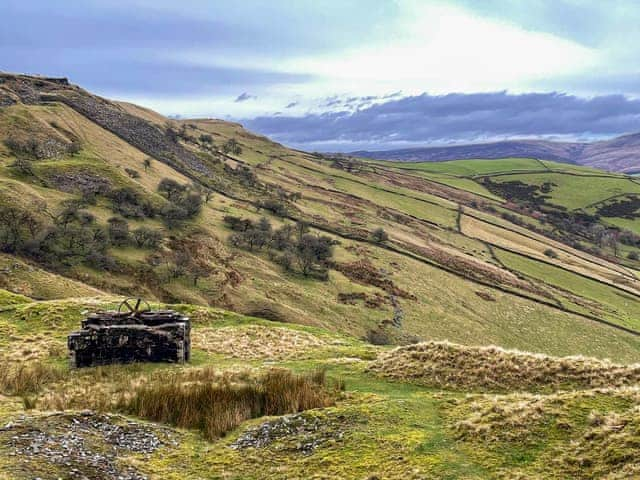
(433, 47)
(441, 48)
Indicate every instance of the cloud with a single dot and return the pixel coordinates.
(243, 97)
(443, 47)
(425, 119)
(332, 103)
(196, 55)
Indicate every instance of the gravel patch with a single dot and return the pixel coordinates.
(85, 446)
(302, 433)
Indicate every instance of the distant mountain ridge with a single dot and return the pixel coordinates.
(620, 154)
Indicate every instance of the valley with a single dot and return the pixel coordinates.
(405, 284)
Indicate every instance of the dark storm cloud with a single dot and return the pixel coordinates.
(460, 117)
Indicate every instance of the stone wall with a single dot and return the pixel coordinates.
(108, 338)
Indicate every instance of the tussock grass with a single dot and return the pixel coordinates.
(216, 408)
(448, 365)
(28, 378)
(206, 399)
(581, 434)
(256, 342)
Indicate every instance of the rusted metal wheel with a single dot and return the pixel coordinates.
(131, 306)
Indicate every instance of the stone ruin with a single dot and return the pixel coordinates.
(131, 334)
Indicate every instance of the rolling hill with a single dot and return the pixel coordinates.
(620, 154)
(305, 262)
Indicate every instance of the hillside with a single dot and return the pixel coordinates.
(308, 263)
(466, 259)
(380, 423)
(620, 154)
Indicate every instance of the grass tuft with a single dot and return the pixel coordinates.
(217, 408)
(28, 378)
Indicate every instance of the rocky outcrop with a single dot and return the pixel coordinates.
(136, 131)
(142, 134)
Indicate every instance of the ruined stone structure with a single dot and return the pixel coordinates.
(130, 335)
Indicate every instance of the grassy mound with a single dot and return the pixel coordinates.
(447, 365)
(9, 298)
(580, 434)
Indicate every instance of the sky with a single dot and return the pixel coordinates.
(342, 75)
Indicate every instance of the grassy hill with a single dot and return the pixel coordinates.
(619, 154)
(534, 416)
(302, 261)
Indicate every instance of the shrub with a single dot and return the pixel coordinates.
(118, 231)
(172, 215)
(184, 203)
(17, 227)
(310, 253)
(237, 224)
(274, 206)
(129, 203)
(170, 189)
(232, 146)
(633, 256)
(379, 235)
(206, 138)
(551, 253)
(146, 237)
(191, 204)
(132, 173)
(312, 250)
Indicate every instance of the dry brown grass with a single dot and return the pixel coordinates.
(207, 399)
(218, 408)
(256, 342)
(447, 365)
(28, 378)
(38, 348)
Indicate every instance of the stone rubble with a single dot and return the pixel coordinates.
(86, 445)
(302, 433)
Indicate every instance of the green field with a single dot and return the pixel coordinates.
(469, 168)
(615, 304)
(573, 191)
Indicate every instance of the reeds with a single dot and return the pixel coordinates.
(28, 378)
(216, 408)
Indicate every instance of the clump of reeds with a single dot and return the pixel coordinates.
(28, 378)
(216, 408)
